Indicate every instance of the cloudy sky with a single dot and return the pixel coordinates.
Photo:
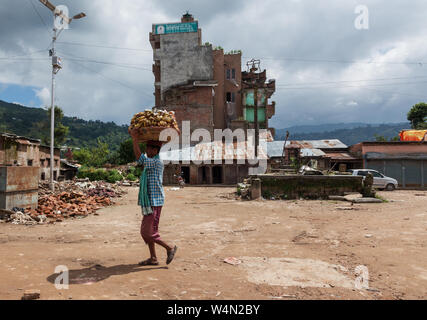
(327, 70)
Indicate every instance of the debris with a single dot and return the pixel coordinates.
(218, 293)
(420, 194)
(31, 295)
(368, 236)
(77, 198)
(233, 261)
(22, 218)
(346, 208)
(337, 198)
(175, 189)
(367, 200)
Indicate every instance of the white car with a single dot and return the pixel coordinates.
(380, 181)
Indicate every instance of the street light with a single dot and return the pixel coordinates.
(56, 66)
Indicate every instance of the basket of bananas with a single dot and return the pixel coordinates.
(148, 125)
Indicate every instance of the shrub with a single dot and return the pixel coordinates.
(131, 177)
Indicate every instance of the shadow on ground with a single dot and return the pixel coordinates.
(98, 273)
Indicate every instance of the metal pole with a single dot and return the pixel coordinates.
(52, 117)
(256, 120)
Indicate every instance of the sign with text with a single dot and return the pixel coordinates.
(176, 27)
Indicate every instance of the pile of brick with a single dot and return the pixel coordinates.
(77, 198)
(69, 204)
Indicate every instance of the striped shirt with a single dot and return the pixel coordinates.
(155, 169)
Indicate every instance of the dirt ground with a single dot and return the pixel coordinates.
(288, 250)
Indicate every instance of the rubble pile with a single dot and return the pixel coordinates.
(69, 204)
(100, 188)
(78, 198)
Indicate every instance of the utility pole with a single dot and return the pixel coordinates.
(56, 66)
(52, 111)
(256, 119)
(253, 66)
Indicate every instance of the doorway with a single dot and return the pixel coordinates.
(217, 175)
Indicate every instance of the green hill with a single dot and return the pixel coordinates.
(22, 121)
(351, 135)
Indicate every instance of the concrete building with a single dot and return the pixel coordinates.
(27, 152)
(404, 161)
(201, 84)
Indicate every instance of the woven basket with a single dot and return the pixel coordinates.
(152, 133)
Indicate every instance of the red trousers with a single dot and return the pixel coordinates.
(150, 226)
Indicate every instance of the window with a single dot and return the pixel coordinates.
(43, 176)
(362, 173)
(231, 97)
(376, 174)
(30, 163)
(231, 74)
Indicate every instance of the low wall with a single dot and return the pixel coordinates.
(308, 187)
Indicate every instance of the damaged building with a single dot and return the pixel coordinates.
(203, 84)
(27, 152)
(207, 87)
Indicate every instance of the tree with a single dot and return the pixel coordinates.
(418, 116)
(125, 153)
(41, 129)
(93, 157)
(379, 138)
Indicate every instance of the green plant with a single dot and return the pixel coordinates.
(131, 177)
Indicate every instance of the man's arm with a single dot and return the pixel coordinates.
(136, 148)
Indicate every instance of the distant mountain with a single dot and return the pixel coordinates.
(349, 134)
(319, 128)
(20, 120)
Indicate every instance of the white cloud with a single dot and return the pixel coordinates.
(310, 44)
(44, 96)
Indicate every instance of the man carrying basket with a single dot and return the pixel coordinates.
(151, 198)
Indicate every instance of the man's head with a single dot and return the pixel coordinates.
(153, 148)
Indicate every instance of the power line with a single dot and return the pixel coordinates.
(353, 86)
(341, 61)
(22, 55)
(122, 65)
(41, 18)
(102, 46)
(114, 80)
(347, 81)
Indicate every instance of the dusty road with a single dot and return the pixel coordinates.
(288, 249)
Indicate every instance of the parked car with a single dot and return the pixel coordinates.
(380, 181)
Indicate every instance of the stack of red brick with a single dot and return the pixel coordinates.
(69, 204)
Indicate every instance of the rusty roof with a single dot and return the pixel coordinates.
(19, 139)
(312, 153)
(214, 151)
(319, 144)
(340, 156)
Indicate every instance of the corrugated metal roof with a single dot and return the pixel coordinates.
(312, 153)
(320, 144)
(214, 151)
(275, 148)
(340, 156)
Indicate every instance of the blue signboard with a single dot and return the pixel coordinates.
(176, 27)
